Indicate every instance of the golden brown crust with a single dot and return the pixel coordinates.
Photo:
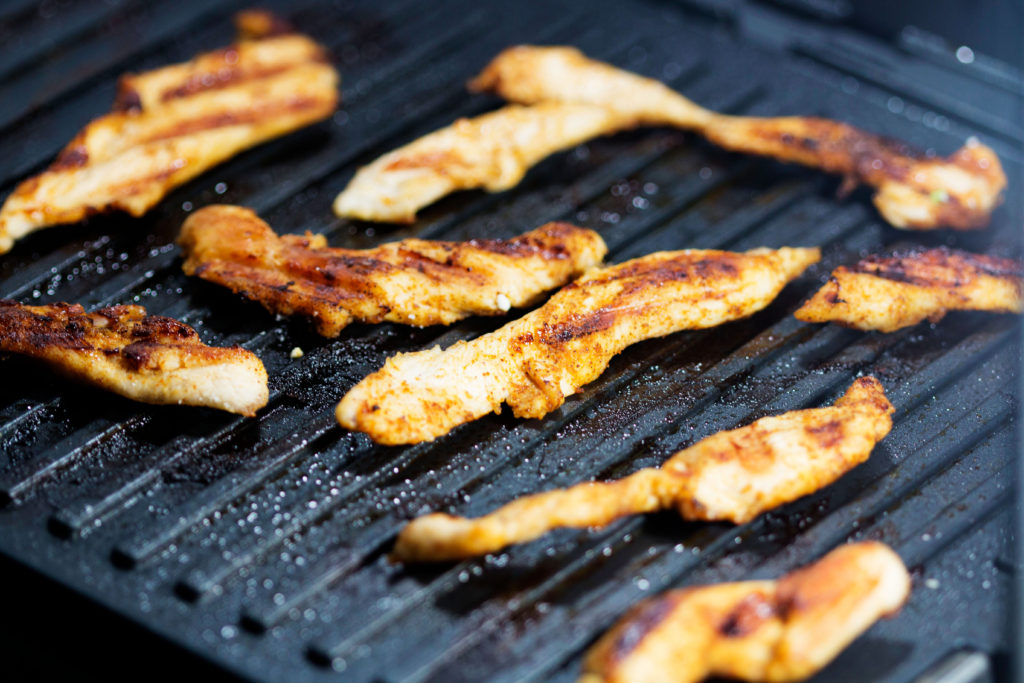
(535, 362)
(493, 151)
(414, 282)
(734, 475)
(153, 359)
(171, 124)
(773, 631)
(889, 293)
(914, 192)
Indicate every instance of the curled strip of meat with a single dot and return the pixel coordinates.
(414, 282)
(171, 124)
(734, 475)
(913, 191)
(535, 362)
(148, 358)
(890, 293)
(493, 151)
(773, 631)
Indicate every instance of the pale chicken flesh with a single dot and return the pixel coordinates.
(171, 124)
(890, 293)
(493, 151)
(734, 475)
(771, 631)
(414, 282)
(148, 358)
(914, 191)
(535, 362)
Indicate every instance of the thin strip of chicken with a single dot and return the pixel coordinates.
(493, 151)
(171, 124)
(771, 631)
(913, 191)
(535, 362)
(734, 475)
(148, 358)
(889, 293)
(414, 282)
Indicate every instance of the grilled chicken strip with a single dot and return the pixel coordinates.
(535, 362)
(887, 294)
(913, 191)
(148, 358)
(734, 475)
(493, 151)
(415, 282)
(171, 124)
(772, 631)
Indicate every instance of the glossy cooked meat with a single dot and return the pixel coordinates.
(734, 475)
(913, 190)
(535, 362)
(889, 293)
(171, 124)
(773, 631)
(415, 282)
(492, 151)
(148, 358)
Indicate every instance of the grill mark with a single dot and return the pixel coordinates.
(574, 328)
(828, 434)
(841, 148)
(234, 118)
(124, 330)
(72, 156)
(127, 99)
(442, 162)
(937, 267)
(645, 273)
(634, 278)
(550, 248)
(226, 76)
(748, 615)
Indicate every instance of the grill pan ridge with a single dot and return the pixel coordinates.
(260, 545)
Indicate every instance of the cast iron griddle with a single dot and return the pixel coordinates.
(260, 544)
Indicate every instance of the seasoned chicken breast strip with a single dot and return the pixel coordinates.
(148, 358)
(772, 631)
(535, 362)
(913, 190)
(171, 124)
(415, 282)
(493, 151)
(889, 293)
(734, 475)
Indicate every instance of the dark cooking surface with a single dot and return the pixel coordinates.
(260, 544)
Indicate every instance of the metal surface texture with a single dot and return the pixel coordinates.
(261, 544)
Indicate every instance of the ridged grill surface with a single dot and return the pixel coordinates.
(262, 544)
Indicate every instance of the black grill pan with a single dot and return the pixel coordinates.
(259, 546)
